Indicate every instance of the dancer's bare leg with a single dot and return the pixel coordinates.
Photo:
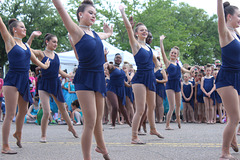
(65, 116)
(171, 101)
(11, 97)
(178, 105)
(207, 108)
(98, 129)
(22, 111)
(231, 103)
(87, 101)
(44, 98)
(140, 101)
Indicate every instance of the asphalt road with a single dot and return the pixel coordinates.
(192, 142)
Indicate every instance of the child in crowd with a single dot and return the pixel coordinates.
(218, 101)
(31, 116)
(76, 114)
(199, 99)
(208, 87)
(187, 93)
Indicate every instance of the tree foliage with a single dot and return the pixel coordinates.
(36, 15)
(185, 26)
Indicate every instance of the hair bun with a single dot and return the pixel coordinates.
(12, 20)
(226, 4)
(47, 35)
(87, 2)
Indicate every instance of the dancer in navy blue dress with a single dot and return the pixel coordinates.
(129, 92)
(89, 80)
(187, 93)
(173, 86)
(199, 99)
(50, 84)
(228, 79)
(144, 81)
(16, 83)
(116, 90)
(218, 101)
(208, 87)
(161, 79)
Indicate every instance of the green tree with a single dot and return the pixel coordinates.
(36, 15)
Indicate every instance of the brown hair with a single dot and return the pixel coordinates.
(82, 7)
(229, 9)
(136, 28)
(12, 23)
(177, 48)
(48, 37)
(75, 103)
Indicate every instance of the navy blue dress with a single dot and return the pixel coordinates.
(90, 72)
(217, 97)
(160, 88)
(199, 94)
(50, 82)
(18, 76)
(187, 93)
(116, 84)
(145, 73)
(229, 74)
(129, 91)
(208, 85)
(174, 76)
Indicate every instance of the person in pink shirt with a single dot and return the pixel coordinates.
(33, 83)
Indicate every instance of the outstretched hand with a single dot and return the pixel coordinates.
(121, 8)
(107, 29)
(132, 22)
(162, 37)
(47, 63)
(36, 33)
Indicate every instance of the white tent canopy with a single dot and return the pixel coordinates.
(68, 60)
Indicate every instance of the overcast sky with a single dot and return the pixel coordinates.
(208, 5)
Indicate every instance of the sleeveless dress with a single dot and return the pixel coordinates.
(17, 76)
(90, 72)
(208, 85)
(229, 74)
(160, 88)
(65, 92)
(50, 82)
(199, 94)
(145, 73)
(116, 84)
(187, 93)
(71, 97)
(129, 91)
(174, 75)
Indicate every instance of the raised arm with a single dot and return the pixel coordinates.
(107, 32)
(39, 63)
(74, 49)
(133, 42)
(165, 78)
(73, 29)
(165, 60)
(7, 38)
(184, 70)
(33, 35)
(225, 36)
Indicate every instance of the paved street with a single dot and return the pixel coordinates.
(192, 142)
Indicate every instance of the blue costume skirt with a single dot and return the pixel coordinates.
(90, 80)
(174, 84)
(129, 93)
(52, 86)
(20, 80)
(160, 90)
(119, 91)
(147, 78)
(228, 78)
